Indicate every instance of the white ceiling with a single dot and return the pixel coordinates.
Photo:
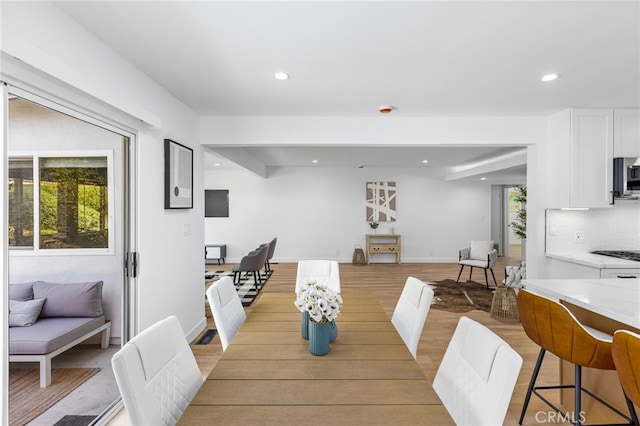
(346, 58)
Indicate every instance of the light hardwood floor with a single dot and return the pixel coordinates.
(386, 282)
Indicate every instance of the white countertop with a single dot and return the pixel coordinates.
(618, 299)
(596, 260)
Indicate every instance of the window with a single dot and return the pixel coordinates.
(65, 205)
(20, 202)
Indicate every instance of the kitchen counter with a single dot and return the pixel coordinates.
(616, 299)
(595, 260)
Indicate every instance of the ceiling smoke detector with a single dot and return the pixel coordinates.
(385, 109)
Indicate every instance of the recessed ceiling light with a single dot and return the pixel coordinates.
(314, 161)
(549, 77)
(483, 178)
(425, 161)
(217, 164)
(281, 76)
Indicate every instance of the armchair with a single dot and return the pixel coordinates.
(253, 263)
(481, 254)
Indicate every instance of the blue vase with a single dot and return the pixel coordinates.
(304, 325)
(333, 331)
(319, 336)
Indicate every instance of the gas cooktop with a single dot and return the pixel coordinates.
(620, 254)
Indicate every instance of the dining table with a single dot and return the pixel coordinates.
(267, 375)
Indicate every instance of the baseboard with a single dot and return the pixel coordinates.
(195, 331)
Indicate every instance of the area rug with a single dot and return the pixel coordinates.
(27, 400)
(461, 297)
(247, 286)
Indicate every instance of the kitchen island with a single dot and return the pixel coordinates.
(604, 304)
(615, 300)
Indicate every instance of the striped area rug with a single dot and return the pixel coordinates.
(27, 400)
(247, 286)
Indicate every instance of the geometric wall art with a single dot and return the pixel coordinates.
(381, 201)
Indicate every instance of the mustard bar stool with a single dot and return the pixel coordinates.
(625, 350)
(554, 328)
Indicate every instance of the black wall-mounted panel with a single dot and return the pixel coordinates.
(216, 203)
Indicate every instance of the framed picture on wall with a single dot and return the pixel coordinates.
(381, 201)
(178, 176)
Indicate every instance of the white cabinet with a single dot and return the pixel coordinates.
(566, 269)
(216, 252)
(562, 269)
(580, 158)
(620, 273)
(626, 132)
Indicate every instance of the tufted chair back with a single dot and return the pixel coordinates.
(477, 375)
(411, 311)
(554, 328)
(157, 374)
(323, 271)
(226, 308)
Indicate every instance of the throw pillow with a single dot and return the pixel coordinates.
(70, 300)
(21, 291)
(23, 313)
(480, 249)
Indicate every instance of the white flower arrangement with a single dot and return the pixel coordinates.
(322, 303)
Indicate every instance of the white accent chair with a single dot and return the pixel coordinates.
(477, 375)
(322, 271)
(411, 312)
(157, 374)
(226, 308)
(481, 254)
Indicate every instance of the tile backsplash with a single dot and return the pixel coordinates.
(615, 228)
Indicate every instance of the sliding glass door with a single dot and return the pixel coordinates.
(70, 218)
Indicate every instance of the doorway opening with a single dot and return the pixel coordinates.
(504, 211)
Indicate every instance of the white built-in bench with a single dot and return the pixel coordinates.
(70, 314)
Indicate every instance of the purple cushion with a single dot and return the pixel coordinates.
(21, 291)
(70, 299)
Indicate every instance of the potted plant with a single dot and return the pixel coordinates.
(519, 223)
(320, 306)
(374, 226)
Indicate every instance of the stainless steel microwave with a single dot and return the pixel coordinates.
(626, 178)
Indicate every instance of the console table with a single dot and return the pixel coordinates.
(215, 252)
(383, 243)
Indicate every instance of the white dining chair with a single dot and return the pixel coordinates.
(322, 271)
(157, 374)
(411, 311)
(226, 308)
(477, 375)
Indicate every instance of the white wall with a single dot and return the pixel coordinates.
(320, 213)
(89, 74)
